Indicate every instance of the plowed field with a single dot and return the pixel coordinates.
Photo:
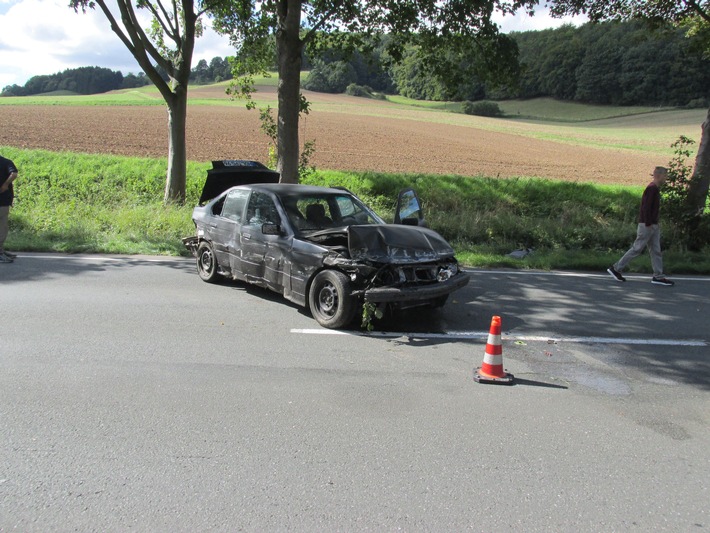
(345, 140)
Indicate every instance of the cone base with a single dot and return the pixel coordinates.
(507, 379)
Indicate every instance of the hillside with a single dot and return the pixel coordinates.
(359, 134)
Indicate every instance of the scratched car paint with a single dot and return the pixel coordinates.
(319, 247)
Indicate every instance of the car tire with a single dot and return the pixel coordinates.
(207, 262)
(330, 300)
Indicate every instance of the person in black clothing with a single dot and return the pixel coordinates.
(8, 174)
(648, 234)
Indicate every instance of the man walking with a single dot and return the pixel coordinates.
(648, 234)
(8, 174)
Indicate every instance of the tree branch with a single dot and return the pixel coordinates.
(141, 47)
(702, 12)
(166, 24)
(314, 30)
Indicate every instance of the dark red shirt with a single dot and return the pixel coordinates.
(650, 205)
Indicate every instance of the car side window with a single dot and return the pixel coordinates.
(234, 203)
(262, 210)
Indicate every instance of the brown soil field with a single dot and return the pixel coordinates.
(344, 141)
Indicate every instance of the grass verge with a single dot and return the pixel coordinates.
(67, 202)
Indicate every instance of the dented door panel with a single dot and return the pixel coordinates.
(223, 235)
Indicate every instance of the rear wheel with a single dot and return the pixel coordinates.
(330, 301)
(206, 262)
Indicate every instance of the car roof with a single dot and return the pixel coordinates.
(295, 189)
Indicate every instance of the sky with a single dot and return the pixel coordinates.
(40, 37)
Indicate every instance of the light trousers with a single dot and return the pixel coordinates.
(646, 237)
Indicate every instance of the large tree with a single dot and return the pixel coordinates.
(694, 15)
(166, 45)
(295, 24)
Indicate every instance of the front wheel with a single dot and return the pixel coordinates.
(206, 262)
(330, 300)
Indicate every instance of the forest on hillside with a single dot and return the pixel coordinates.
(95, 80)
(82, 80)
(611, 63)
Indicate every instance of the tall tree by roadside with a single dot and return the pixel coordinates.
(694, 16)
(296, 24)
(166, 45)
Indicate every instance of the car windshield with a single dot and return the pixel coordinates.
(315, 212)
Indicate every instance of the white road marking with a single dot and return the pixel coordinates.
(578, 274)
(484, 335)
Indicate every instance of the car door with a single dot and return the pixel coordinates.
(255, 243)
(409, 209)
(226, 231)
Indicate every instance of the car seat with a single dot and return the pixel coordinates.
(315, 214)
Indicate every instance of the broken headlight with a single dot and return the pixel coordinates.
(447, 272)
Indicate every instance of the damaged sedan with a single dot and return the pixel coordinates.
(319, 247)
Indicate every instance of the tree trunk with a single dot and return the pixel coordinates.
(177, 148)
(697, 196)
(700, 180)
(289, 90)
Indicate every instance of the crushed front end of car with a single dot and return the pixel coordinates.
(399, 266)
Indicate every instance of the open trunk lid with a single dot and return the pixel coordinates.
(231, 172)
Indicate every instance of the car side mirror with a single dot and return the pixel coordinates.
(271, 229)
(409, 209)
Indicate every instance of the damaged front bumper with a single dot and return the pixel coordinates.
(415, 293)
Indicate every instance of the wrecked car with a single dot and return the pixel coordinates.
(319, 247)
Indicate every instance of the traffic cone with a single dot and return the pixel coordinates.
(491, 371)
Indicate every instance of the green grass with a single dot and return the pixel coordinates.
(546, 109)
(549, 109)
(127, 97)
(68, 202)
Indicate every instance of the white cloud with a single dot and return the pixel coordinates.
(47, 36)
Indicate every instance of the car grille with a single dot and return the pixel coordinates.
(418, 274)
(407, 275)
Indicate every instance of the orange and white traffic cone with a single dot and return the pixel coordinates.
(491, 371)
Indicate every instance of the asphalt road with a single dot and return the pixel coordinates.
(133, 396)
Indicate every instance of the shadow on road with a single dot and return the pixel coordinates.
(533, 383)
(555, 306)
(28, 267)
(623, 324)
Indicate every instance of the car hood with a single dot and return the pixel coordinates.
(390, 243)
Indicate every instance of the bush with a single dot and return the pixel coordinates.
(363, 91)
(330, 77)
(698, 103)
(482, 109)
